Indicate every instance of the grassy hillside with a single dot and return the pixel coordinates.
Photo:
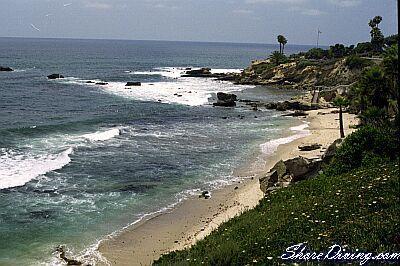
(359, 209)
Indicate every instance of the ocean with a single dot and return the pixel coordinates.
(81, 161)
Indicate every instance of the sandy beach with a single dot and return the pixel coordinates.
(195, 218)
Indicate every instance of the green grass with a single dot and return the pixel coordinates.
(359, 209)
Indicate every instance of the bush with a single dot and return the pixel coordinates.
(277, 58)
(305, 63)
(316, 53)
(356, 62)
(362, 147)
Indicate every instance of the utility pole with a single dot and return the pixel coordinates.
(319, 32)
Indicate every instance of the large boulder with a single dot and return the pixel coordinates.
(285, 172)
(226, 99)
(6, 69)
(55, 76)
(331, 151)
(300, 168)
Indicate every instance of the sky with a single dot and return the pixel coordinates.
(248, 21)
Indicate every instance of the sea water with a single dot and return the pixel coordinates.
(79, 161)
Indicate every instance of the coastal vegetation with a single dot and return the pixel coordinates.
(354, 200)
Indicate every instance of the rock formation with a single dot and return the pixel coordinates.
(55, 76)
(289, 171)
(6, 69)
(133, 83)
(226, 100)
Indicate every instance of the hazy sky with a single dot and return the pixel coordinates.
(260, 21)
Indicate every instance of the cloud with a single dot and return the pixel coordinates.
(242, 11)
(346, 3)
(308, 11)
(98, 5)
(276, 1)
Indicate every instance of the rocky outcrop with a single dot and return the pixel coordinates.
(204, 72)
(6, 69)
(68, 261)
(299, 73)
(286, 172)
(133, 83)
(291, 105)
(55, 76)
(225, 100)
(310, 147)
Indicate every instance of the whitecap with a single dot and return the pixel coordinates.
(102, 135)
(17, 169)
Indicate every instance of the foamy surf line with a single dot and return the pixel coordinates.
(271, 146)
(18, 169)
(177, 72)
(185, 91)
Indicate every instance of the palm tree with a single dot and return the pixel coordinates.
(282, 42)
(341, 102)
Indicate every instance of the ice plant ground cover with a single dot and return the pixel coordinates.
(357, 210)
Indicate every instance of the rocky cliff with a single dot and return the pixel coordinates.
(300, 74)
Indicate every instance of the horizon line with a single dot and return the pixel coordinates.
(153, 40)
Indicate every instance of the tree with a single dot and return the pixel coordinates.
(373, 79)
(391, 70)
(377, 38)
(341, 102)
(282, 42)
(337, 51)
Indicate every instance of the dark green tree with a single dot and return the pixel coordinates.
(377, 38)
(282, 42)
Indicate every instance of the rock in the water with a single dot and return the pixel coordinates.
(133, 83)
(310, 147)
(297, 113)
(55, 76)
(226, 100)
(61, 251)
(90, 82)
(198, 73)
(6, 69)
(101, 83)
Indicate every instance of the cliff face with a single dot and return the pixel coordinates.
(300, 74)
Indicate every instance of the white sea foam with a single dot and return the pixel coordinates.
(177, 72)
(271, 146)
(102, 135)
(186, 91)
(169, 72)
(179, 90)
(18, 169)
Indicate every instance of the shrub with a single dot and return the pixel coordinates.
(362, 146)
(356, 62)
(316, 53)
(305, 63)
(277, 58)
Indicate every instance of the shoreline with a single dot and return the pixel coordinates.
(194, 218)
